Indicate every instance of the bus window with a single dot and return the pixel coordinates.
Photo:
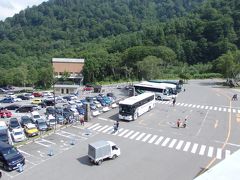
(125, 109)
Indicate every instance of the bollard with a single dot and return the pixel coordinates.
(20, 168)
(50, 153)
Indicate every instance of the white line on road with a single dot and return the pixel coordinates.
(134, 135)
(104, 119)
(146, 138)
(227, 153)
(186, 147)
(194, 106)
(206, 107)
(198, 106)
(202, 124)
(159, 140)
(219, 153)
(96, 128)
(93, 126)
(152, 139)
(202, 150)
(210, 151)
(128, 134)
(202, 107)
(165, 142)
(124, 132)
(189, 105)
(104, 127)
(172, 143)
(180, 143)
(41, 144)
(185, 105)
(210, 107)
(140, 136)
(215, 108)
(30, 162)
(224, 109)
(229, 110)
(234, 110)
(194, 148)
(117, 132)
(50, 142)
(106, 130)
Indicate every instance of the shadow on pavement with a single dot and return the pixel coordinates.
(85, 160)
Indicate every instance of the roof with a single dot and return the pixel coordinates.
(134, 99)
(227, 169)
(152, 84)
(30, 125)
(4, 145)
(99, 144)
(67, 60)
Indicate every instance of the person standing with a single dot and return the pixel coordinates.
(178, 123)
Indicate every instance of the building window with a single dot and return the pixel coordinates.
(62, 91)
(67, 91)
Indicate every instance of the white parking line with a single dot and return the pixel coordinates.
(198, 106)
(182, 104)
(227, 153)
(206, 107)
(224, 109)
(210, 151)
(178, 104)
(117, 132)
(180, 143)
(220, 109)
(229, 110)
(185, 105)
(172, 143)
(134, 135)
(30, 162)
(215, 108)
(202, 107)
(219, 153)
(186, 147)
(189, 105)
(152, 139)
(202, 150)
(124, 132)
(146, 138)
(41, 144)
(140, 136)
(194, 148)
(50, 142)
(128, 134)
(93, 126)
(210, 107)
(165, 142)
(194, 106)
(234, 110)
(159, 140)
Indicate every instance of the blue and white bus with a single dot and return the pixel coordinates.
(178, 85)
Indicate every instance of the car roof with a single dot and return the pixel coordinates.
(4, 145)
(30, 125)
(17, 130)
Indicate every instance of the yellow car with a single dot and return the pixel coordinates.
(36, 101)
(31, 130)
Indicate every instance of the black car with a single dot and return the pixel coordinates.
(50, 110)
(13, 124)
(49, 102)
(25, 109)
(4, 135)
(23, 97)
(25, 120)
(12, 107)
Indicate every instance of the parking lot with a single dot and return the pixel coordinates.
(152, 147)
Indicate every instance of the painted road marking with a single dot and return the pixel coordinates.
(215, 108)
(172, 143)
(128, 134)
(93, 126)
(194, 106)
(165, 142)
(106, 130)
(140, 136)
(180, 143)
(187, 146)
(104, 127)
(210, 107)
(220, 109)
(146, 138)
(194, 148)
(210, 151)
(189, 105)
(227, 153)
(116, 132)
(124, 132)
(159, 140)
(206, 107)
(152, 139)
(219, 153)
(133, 136)
(96, 128)
(202, 150)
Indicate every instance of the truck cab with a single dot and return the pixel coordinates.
(100, 150)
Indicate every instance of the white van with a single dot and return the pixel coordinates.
(35, 116)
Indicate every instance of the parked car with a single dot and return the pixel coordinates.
(111, 95)
(36, 101)
(25, 120)
(26, 109)
(35, 116)
(93, 106)
(37, 94)
(13, 124)
(7, 100)
(4, 135)
(18, 135)
(5, 113)
(97, 103)
(49, 102)
(12, 107)
(51, 121)
(60, 119)
(29, 95)
(10, 157)
(47, 94)
(3, 125)
(31, 130)
(41, 125)
(50, 110)
(23, 97)
(81, 110)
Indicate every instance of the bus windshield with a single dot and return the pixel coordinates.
(125, 109)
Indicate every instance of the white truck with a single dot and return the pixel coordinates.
(100, 150)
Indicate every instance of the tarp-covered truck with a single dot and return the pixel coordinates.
(100, 150)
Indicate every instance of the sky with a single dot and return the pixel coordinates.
(10, 7)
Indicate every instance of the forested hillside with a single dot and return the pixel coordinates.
(122, 39)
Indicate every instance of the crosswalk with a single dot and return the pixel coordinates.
(167, 142)
(197, 106)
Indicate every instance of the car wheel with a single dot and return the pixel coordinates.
(114, 156)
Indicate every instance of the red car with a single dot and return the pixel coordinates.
(37, 94)
(88, 88)
(5, 113)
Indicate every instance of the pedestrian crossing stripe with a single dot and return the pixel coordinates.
(215, 108)
(167, 142)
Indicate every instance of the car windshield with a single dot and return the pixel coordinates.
(125, 109)
(36, 116)
(10, 153)
(14, 124)
(3, 137)
(27, 120)
(17, 133)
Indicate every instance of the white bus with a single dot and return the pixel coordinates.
(162, 91)
(132, 107)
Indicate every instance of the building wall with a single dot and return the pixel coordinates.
(60, 67)
(59, 90)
